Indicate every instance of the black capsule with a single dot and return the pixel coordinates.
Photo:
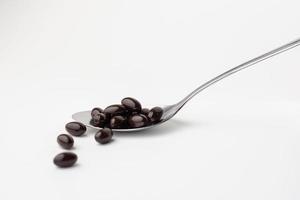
(65, 159)
(114, 110)
(98, 120)
(145, 111)
(155, 114)
(104, 136)
(132, 104)
(65, 141)
(94, 123)
(95, 113)
(118, 122)
(137, 121)
(76, 128)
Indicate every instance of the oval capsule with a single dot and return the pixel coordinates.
(65, 159)
(118, 122)
(104, 136)
(155, 114)
(137, 121)
(65, 141)
(132, 104)
(114, 110)
(75, 128)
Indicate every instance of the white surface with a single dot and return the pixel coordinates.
(237, 140)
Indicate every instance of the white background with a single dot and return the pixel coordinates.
(237, 140)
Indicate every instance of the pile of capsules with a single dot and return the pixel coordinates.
(129, 114)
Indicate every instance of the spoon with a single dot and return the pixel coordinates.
(171, 110)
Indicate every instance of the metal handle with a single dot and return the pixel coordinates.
(240, 67)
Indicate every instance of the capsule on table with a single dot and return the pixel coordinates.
(65, 159)
(104, 136)
(65, 141)
(75, 128)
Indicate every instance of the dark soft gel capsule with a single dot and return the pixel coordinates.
(118, 122)
(95, 113)
(65, 159)
(114, 110)
(137, 121)
(75, 128)
(99, 120)
(145, 111)
(132, 104)
(104, 136)
(65, 141)
(155, 114)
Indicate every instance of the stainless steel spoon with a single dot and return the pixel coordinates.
(171, 110)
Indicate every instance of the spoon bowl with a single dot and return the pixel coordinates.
(171, 110)
(85, 117)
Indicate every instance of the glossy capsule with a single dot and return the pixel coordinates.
(132, 104)
(104, 136)
(95, 113)
(65, 141)
(96, 110)
(118, 122)
(65, 159)
(99, 121)
(137, 121)
(114, 110)
(75, 128)
(155, 114)
(145, 111)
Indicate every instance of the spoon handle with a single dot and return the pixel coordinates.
(240, 67)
